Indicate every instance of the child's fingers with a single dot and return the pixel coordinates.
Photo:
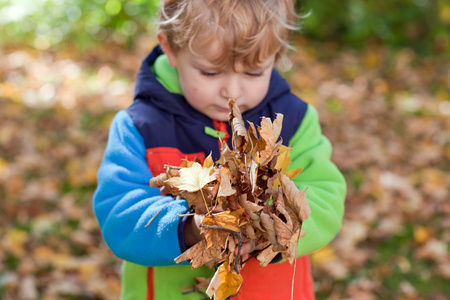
(198, 220)
(246, 248)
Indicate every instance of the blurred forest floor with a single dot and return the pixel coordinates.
(386, 112)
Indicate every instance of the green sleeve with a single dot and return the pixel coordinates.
(326, 185)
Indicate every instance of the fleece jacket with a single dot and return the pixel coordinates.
(160, 128)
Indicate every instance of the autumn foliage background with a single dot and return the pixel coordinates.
(379, 75)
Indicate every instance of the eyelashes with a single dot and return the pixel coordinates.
(212, 74)
(209, 74)
(257, 74)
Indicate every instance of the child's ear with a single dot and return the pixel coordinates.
(164, 43)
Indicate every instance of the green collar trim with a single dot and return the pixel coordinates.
(166, 74)
(214, 133)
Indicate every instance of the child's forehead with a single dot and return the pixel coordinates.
(217, 55)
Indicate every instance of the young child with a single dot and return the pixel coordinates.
(209, 51)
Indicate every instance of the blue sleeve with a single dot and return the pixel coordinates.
(124, 202)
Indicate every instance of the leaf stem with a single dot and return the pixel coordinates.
(198, 291)
(204, 200)
(295, 267)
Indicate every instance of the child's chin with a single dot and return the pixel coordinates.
(221, 116)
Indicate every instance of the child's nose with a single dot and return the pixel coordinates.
(232, 88)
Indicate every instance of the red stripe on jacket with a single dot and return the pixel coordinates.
(275, 281)
(150, 288)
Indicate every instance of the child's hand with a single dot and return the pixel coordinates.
(247, 248)
(192, 232)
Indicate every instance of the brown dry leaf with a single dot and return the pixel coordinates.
(290, 254)
(295, 199)
(252, 148)
(282, 210)
(270, 132)
(172, 171)
(197, 200)
(158, 181)
(226, 154)
(284, 233)
(202, 282)
(232, 203)
(266, 256)
(199, 254)
(225, 188)
(250, 231)
(229, 282)
(268, 224)
(226, 219)
(251, 209)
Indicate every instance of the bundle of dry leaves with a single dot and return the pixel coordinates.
(256, 193)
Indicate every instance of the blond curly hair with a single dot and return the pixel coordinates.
(245, 31)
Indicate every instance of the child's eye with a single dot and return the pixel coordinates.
(209, 74)
(254, 74)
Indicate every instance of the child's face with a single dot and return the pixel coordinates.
(208, 88)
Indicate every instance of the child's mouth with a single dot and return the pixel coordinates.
(222, 109)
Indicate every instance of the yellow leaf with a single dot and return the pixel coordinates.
(229, 282)
(208, 163)
(283, 162)
(226, 219)
(293, 173)
(284, 159)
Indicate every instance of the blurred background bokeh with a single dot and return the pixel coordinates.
(377, 71)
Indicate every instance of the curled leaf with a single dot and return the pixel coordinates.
(295, 199)
(240, 135)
